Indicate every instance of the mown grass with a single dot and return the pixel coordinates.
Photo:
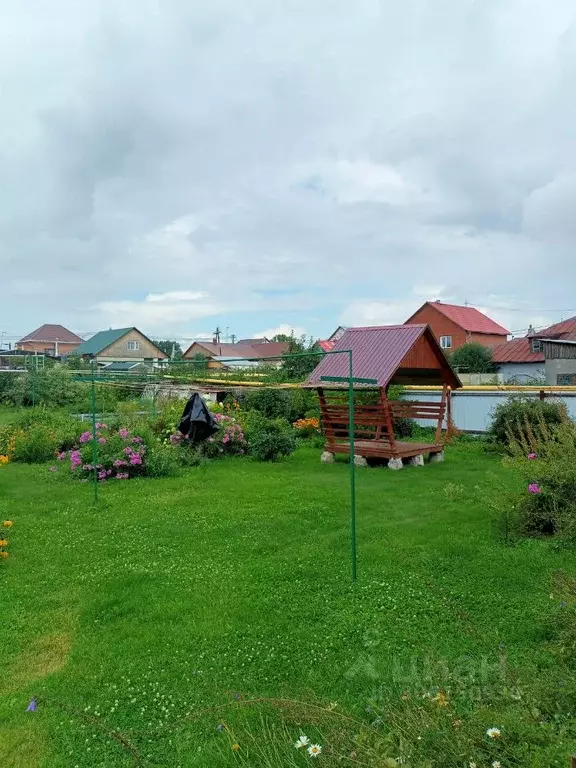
(142, 624)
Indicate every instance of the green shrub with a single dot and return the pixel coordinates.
(35, 445)
(511, 417)
(272, 403)
(270, 445)
(164, 460)
(542, 499)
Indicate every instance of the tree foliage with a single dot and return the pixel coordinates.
(473, 358)
(298, 368)
(171, 348)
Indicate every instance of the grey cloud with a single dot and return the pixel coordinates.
(163, 146)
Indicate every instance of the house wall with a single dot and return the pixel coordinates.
(560, 367)
(195, 349)
(443, 326)
(522, 372)
(47, 347)
(119, 352)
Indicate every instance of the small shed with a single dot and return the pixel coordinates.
(393, 354)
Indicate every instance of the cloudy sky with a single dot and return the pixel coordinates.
(179, 165)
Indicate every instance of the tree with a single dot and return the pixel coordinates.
(298, 368)
(473, 358)
(171, 348)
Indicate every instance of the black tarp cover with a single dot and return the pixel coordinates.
(197, 423)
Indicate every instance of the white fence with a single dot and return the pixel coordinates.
(472, 407)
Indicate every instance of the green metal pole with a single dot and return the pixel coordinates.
(94, 437)
(352, 466)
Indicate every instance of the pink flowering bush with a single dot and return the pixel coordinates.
(121, 454)
(228, 441)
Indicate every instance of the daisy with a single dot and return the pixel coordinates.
(496, 764)
(303, 741)
(314, 750)
(493, 733)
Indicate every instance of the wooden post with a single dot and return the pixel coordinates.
(438, 437)
(573, 761)
(388, 421)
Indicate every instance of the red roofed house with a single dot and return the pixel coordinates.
(525, 359)
(50, 340)
(453, 325)
(222, 354)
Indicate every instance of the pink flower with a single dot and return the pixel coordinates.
(123, 433)
(102, 475)
(128, 450)
(85, 437)
(531, 455)
(102, 440)
(136, 439)
(534, 488)
(135, 459)
(226, 439)
(61, 456)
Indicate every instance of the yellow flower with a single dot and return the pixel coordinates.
(441, 699)
(3, 554)
(3, 542)
(7, 523)
(235, 747)
(4, 459)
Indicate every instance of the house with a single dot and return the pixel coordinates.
(326, 345)
(120, 345)
(220, 354)
(454, 325)
(126, 367)
(538, 355)
(52, 340)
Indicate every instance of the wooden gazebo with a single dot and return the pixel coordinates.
(388, 355)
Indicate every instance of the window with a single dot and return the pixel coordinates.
(536, 345)
(446, 342)
(133, 345)
(565, 379)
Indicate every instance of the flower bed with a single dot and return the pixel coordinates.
(121, 455)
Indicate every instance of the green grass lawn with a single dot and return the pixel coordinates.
(151, 614)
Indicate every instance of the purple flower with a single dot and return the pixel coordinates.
(102, 475)
(136, 439)
(128, 450)
(85, 437)
(534, 488)
(61, 456)
(531, 455)
(32, 706)
(135, 459)
(123, 433)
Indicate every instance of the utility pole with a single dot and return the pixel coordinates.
(217, 334)
(233, 338)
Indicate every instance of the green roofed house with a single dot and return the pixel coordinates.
(120, 345)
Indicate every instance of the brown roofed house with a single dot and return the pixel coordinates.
(50, 340)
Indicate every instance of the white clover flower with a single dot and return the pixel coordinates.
(493, 733)
(303, 741)
(496, 764)
(314, 750)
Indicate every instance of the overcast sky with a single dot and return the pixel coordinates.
(177, 165)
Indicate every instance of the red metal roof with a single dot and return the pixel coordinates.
(516, 351)
(246, 351)
(469, 318)
(51, 334)
(326, 345)
(377, 353)
(565, 330)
